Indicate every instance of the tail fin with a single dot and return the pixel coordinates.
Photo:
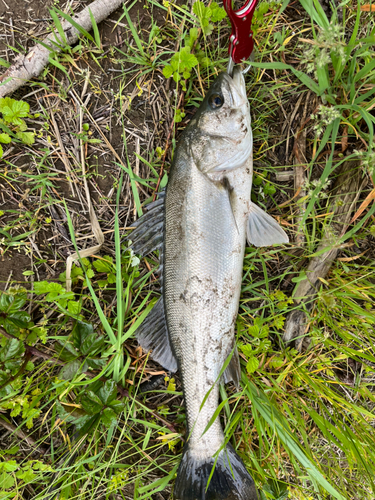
(228, 482)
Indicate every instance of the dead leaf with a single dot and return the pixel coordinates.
(344, 140)
(355, 257)
(367, 8)
(364, 205)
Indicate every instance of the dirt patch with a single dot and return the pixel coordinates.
(118, 106)
(11, 269)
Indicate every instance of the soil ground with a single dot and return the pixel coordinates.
(140, 121)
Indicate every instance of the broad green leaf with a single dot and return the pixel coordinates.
(26, 475)
(87, 424)
(6, 480)
(252, 365)
(9, 465)
(199, 9)
(108, 392)
(6, 302)
(6, 102)
(108, 417)
(65, 349)
(91, 344)
(117, 406)
(74, 307)
(41, 287)
(217, 13)
(80, 331)
(70, 370)
(111, 278)
(90, 273)
(96, 363)
(247, 350)
(5, 138)
(20, 108)
(167, 71)
(187, 59)
(91, 403)
(104, 265)
(20, 319)
(26, 137)
(20, 299)
(12, 348)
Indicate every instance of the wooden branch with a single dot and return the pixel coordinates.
(346, 192)
(30, 66)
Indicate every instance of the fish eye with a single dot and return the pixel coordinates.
(216, 101)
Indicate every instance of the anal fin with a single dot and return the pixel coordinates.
(233, 370)
(262, 230)
(153, 336)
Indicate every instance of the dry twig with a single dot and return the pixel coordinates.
(30, 66)
(346, 191)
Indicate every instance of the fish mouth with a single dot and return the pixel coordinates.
(237, 87)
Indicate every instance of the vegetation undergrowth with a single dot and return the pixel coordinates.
(80, 423)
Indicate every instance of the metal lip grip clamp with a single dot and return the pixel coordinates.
(241, 40)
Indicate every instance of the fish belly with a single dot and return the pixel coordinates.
(204, 248)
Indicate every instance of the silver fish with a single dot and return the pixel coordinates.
(200, 225)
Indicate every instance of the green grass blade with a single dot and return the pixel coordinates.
(134, 32)
(79, 28)
(95, 29)
(59, 28)
(119, 283)
(315, 11)
(280, 427)
(103, 319)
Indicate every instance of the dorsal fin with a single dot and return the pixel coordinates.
(149, 232)
(147, 237)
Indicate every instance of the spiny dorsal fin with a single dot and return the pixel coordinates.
(148, 234)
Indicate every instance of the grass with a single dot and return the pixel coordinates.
(80, 423)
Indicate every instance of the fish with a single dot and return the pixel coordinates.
(200, 225)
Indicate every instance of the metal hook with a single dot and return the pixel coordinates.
(241, 40)
(230, 66)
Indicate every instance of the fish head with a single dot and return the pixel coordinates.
(219, 135)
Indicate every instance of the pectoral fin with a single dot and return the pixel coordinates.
(262, 230)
